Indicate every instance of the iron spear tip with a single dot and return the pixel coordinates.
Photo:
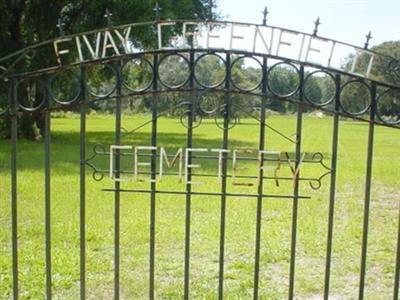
(157, 7)
(108, 16)
(369, 37)
(317, 23)
(157, 10)
(210, 7)
(265, 13)
(60, 26)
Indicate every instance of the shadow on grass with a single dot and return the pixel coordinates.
(65, 148)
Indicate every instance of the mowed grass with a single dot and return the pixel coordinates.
(205, 215)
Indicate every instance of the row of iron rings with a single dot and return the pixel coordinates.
(57, 85)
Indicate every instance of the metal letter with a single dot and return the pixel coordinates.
(137, 163)
(112, 148)
(191, 166)
(60, 52)
(106, 45)
(220, 151)
(282, 42)
(170, 164)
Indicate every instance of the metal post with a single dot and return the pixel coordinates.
(47, 137)
(397, 269)
(154, 103)
(260, 185)
(332, 193)
(367, 198)
(296, 186)
(82, 182)
(226, 114)
(117, 161)
(14, 207)
(189, 186)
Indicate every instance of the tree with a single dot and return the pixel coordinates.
(23, 23)
(386, 68)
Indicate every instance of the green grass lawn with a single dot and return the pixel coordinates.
(170, 216)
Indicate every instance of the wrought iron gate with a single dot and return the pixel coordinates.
(154, 64)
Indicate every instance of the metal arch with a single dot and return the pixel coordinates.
(16, 56)
(199, 50)
(184, 88)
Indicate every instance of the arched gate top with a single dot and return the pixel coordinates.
(249, 38)
(268, 48)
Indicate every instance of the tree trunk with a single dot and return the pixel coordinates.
(27, 128)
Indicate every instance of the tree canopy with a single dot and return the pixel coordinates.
(25, 22)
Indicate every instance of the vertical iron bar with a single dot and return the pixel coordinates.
(367, 191)
(82, 188)
(332, 193)
(117, 161)
(397, 270)
(296, 185)
(47, 140)
(14, 207)
(260, 183)
(189, 178)
(226, 115)
(154, 103)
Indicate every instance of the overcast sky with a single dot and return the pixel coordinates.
(343, 20)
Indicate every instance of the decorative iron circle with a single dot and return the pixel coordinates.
(30, 54)
(232, 120)
(32, 87)
(208, 103)
(321, 101)
(352, 90)
(196, 122)
(5, 92)
(204, 70)
(97, 176)
(137, 74)
(101, 80)
(257, 79)
(167, 71)
(62, 91)
(3, 70)
(271, 77)
(388, 107)
(394, 69)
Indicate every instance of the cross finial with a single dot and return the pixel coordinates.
(108, 16)
(317, 23)
(265, 13)
(60, 26)
(158, 10)
(368, 36)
